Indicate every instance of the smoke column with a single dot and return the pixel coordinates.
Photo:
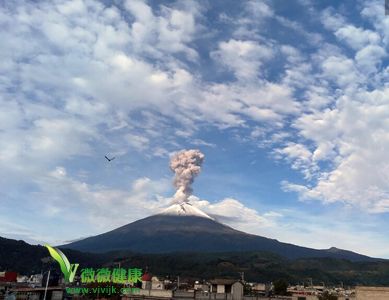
(186, 164)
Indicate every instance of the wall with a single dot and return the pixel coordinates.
(237, 291)
(156, 293)
(370, 293)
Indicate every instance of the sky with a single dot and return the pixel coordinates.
(288, 101)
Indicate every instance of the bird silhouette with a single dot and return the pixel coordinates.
(109, 159)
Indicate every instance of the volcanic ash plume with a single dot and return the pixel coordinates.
(186, 164)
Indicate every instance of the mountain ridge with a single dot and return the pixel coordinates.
(168, 233)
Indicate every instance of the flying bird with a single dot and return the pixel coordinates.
(109, 159)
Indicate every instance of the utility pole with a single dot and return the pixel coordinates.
(310, 281)
(47, 284)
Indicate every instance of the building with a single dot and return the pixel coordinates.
(8, 276)
(227, 286)
(157, 284)
(198, 286)
(261, 288)
(146, 281)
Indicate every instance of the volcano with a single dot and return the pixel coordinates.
(185, 228)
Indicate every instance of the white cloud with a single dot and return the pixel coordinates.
(244, 58)
(259, 9)
(342, 136)
(170, 32)
(300, 157)
(234, 213)
(370, 58)
(374, 12)
(12, 230)
(331, 20)
(341, 70)
(199, 142)
(322, 230)
(98, 208)
(85, 77)
(354, 137)
(89, 76)
(311, 37)
(140, 143)
(357, 38)
(293, 55)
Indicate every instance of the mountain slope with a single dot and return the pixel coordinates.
(164, 233)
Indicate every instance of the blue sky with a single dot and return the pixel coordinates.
(288, 100)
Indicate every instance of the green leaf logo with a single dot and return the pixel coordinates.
(68, 270)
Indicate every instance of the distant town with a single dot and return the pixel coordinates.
(150, 286)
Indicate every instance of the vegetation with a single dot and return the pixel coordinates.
(280, 287)
(327, 296)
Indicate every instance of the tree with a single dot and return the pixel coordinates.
(280, 287)
(328, 296)
(247, 289)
